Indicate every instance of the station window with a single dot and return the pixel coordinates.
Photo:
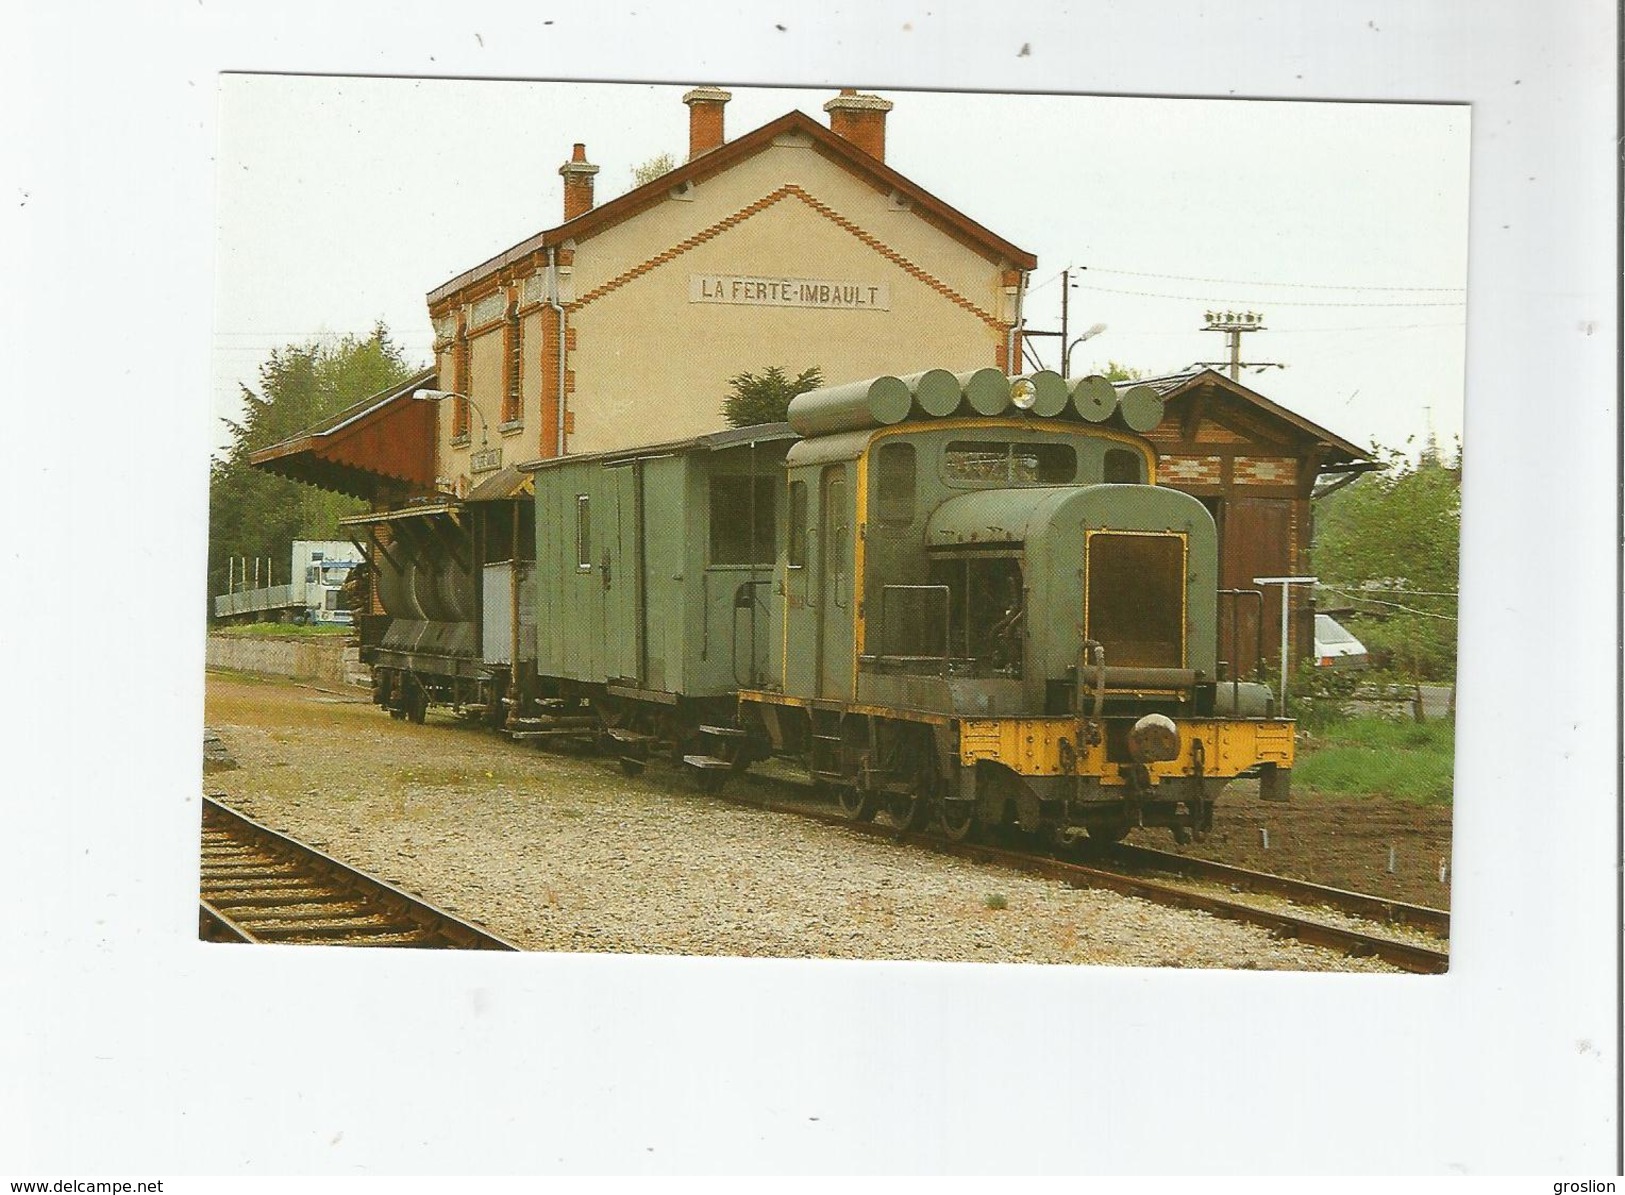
(465, 379)
(743, 526)
(1000, 462)
(894, 494)
(1123, 466)
(798, 524)
(583, 532)
(513, 357)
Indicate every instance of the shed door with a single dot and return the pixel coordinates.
(834, 586)
(1256, 542)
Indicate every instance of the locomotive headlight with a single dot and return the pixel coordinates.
(1023, 394)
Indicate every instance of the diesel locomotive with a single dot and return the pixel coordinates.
(949, 597)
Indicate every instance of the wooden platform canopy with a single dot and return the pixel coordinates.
(380, 449)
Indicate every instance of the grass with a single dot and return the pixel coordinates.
(1379, 757)
(282, 630)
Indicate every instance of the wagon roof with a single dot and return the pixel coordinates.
(761, 433)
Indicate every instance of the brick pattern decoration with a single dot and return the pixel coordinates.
(1190, 470)
(790, 191)
(1264, 470)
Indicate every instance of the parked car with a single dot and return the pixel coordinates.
(1336, 648)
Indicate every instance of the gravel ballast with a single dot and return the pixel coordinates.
(560, 851)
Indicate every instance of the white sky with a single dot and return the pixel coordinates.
(344, 200)
(127, 1049)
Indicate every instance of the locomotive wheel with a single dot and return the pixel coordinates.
(858, 804)
(907, 811)
(958, 820)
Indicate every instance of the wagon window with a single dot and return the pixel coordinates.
(1123, 466)
(1000, 462)
(798, 524)
(743, 529)
(895, 492)
(583, 532)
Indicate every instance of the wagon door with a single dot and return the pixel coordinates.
(620, 576)
(834, 585)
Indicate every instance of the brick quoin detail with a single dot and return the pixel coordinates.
(790, 190)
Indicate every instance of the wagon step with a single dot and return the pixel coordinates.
(709, 771)
(553, 721)
(707, 762)
(633, 737)
(723, 732)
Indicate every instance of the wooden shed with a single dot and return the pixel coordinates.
(1256, 466)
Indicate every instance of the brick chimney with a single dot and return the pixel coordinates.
(577, 174)
(705, 118)
(861, 119)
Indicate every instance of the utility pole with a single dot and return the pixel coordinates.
(1286, 584)
(1068, 341)
(1233, 324)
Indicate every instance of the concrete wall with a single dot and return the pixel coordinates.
(332, 660)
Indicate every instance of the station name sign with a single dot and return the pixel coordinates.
(753, 291)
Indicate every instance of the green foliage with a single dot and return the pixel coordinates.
(1116, 372)
(1389, 545)
(996, 901)
(653, 169)
(255, 514)
(283, 630)
(1371, 756)
(765, 397)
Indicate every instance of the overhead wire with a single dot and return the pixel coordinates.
(1259, 282)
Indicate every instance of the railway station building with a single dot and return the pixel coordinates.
(793, 245)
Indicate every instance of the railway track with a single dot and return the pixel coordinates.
(1408, 956)
(1130, 880)
(1301, 892)
(258, 885)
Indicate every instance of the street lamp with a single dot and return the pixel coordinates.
(1066, 357)
(442, 395)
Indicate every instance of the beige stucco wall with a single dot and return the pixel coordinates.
(650, 364)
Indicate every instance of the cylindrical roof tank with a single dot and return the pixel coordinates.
(1141, 407)
(987, 390)
(876, 402)
(1051, 393)
(1094, 398)
(936, 391)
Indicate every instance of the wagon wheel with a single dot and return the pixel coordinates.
(958, 820)
(417, 704)
(711, 780)
(908, 811)
(858, 804)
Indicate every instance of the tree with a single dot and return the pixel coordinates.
(1390, 545)
(653, 169)
(256, 514)
(765, 398)
(1115, 372)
